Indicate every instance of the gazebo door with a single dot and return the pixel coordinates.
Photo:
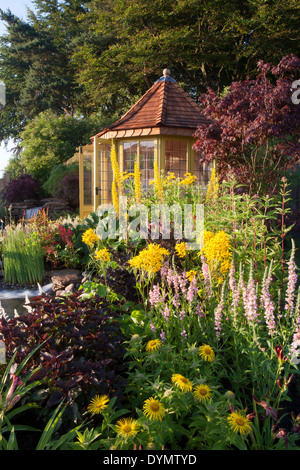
(86, 180)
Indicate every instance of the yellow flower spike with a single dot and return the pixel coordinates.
(157, 182)
(137, 183)
(116, 170)
(115, 197)
(213, 186)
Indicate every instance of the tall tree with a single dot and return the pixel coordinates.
(36, 66)
(206, 43)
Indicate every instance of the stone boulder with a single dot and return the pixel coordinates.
(64, 279)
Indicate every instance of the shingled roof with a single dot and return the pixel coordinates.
(164, 109)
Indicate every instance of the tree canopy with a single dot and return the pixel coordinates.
(97, 57)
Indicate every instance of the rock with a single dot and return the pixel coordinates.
(69, 288)
(61, 279)
(59, 293)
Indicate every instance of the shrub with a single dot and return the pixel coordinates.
(81, 354)
(23, 187)
(58, 172)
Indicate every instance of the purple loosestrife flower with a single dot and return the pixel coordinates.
(235, 292)
(267, 304)
(192, 290)
(155, 296)
(219, 314)
(292, 281)
(199, 310)
(183, 335)
(166, 312)
(164, 269)
(250, 300)
(183, 280)
(182, 314)
(175, 300)
(163, 337)
(206, 275)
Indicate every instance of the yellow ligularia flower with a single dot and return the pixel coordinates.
(213, 186)
(116, 170)
(150, 259)
(90, 237)
(102, 255)
(180, 249)
(137, 183)
(115, 197)
(157, 182)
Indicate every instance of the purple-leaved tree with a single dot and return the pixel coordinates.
(256, 129)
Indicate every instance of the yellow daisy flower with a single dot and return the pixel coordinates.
(154, 409)
(206, 352)
(153, 345)
(127, 427)
(202, 392)
(180, 381)
(239, 423)
(98, 404)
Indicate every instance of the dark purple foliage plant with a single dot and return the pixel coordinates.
(21, 188)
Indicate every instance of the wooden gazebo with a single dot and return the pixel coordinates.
(160, 126)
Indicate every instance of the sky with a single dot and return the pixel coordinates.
(18, 8)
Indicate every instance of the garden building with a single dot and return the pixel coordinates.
(161, 126)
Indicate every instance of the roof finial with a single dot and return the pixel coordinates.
(166, 77)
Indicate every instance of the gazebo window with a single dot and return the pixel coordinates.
(87, 178)
(176, 157)
(105, 173)
(144, 152)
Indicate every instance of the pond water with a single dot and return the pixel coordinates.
(15, 299)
